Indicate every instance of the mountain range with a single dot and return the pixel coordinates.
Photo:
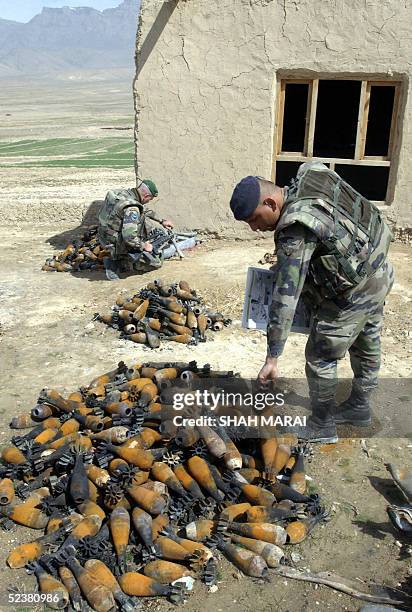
(66, 39)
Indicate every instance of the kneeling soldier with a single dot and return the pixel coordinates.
(124, 227)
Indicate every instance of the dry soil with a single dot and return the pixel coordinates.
(48, 338)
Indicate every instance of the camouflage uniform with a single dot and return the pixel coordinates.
(124, 226)
(347, 308)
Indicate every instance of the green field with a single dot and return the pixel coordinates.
(68, 153)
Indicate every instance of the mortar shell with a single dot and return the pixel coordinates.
(298, 479)
(271, 553)
(274, 534)
(119, 522)
(58, 595)
(258, 496)
(138, 585)
(21, 555)
(166, 572)
(6, 491)
(143, 522)
(235, 511)
(147, 500)
(250, 563)
(22, 421)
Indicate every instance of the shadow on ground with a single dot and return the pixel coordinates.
(61, 240)
(387, 488)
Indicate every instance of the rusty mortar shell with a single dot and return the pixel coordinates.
(188, 482)
(99, 476)
(297, 478)
(147, 500)
(140, 311)
(247, 561)
(200, 471)
(166, 572)
(69, 581)
(217, 326)
(6, 491)
(235, 511)
(89, 508)
(98, 596)
(143, 524)
(159, 524)
(162, 472)
(258, 496)
(22, 421)
(139, 585)
(274, 534)
(214, 443)
(119, 522)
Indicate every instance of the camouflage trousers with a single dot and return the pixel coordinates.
(353, 324)
(127, 264)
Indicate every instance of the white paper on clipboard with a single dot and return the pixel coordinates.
(258, 298)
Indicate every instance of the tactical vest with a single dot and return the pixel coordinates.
(353, 237)
(111, 217)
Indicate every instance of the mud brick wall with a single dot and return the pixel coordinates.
(205, 92)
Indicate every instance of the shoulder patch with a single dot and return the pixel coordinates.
(132, 216)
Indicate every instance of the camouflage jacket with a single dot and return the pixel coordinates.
(324, 248)
(122, 221)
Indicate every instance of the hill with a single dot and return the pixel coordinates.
(64, 39)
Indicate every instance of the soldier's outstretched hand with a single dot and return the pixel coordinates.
(167, 223)
(269, 371)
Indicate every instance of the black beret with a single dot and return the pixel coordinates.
(245, 198)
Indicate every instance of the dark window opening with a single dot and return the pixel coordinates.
(379, 120)
(285, 171)
(294, 119)
(336, 119)
(370, 181)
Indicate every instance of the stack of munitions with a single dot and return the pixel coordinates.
(164, 312)
(86, 253)
(129, 503)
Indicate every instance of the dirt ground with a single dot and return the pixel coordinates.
(47, 338)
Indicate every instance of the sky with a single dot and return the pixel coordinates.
(24, 10)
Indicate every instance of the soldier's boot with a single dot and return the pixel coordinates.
(112, 269)
(320, 426)
(147, 266)
(355, 410)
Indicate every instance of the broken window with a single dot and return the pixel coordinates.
(347, 124)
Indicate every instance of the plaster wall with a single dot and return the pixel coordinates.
(205, 90)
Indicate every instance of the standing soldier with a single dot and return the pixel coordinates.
(124, 226)
(332, 246)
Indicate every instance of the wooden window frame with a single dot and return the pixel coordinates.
(359, 159)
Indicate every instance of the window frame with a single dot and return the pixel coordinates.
(359, 159)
